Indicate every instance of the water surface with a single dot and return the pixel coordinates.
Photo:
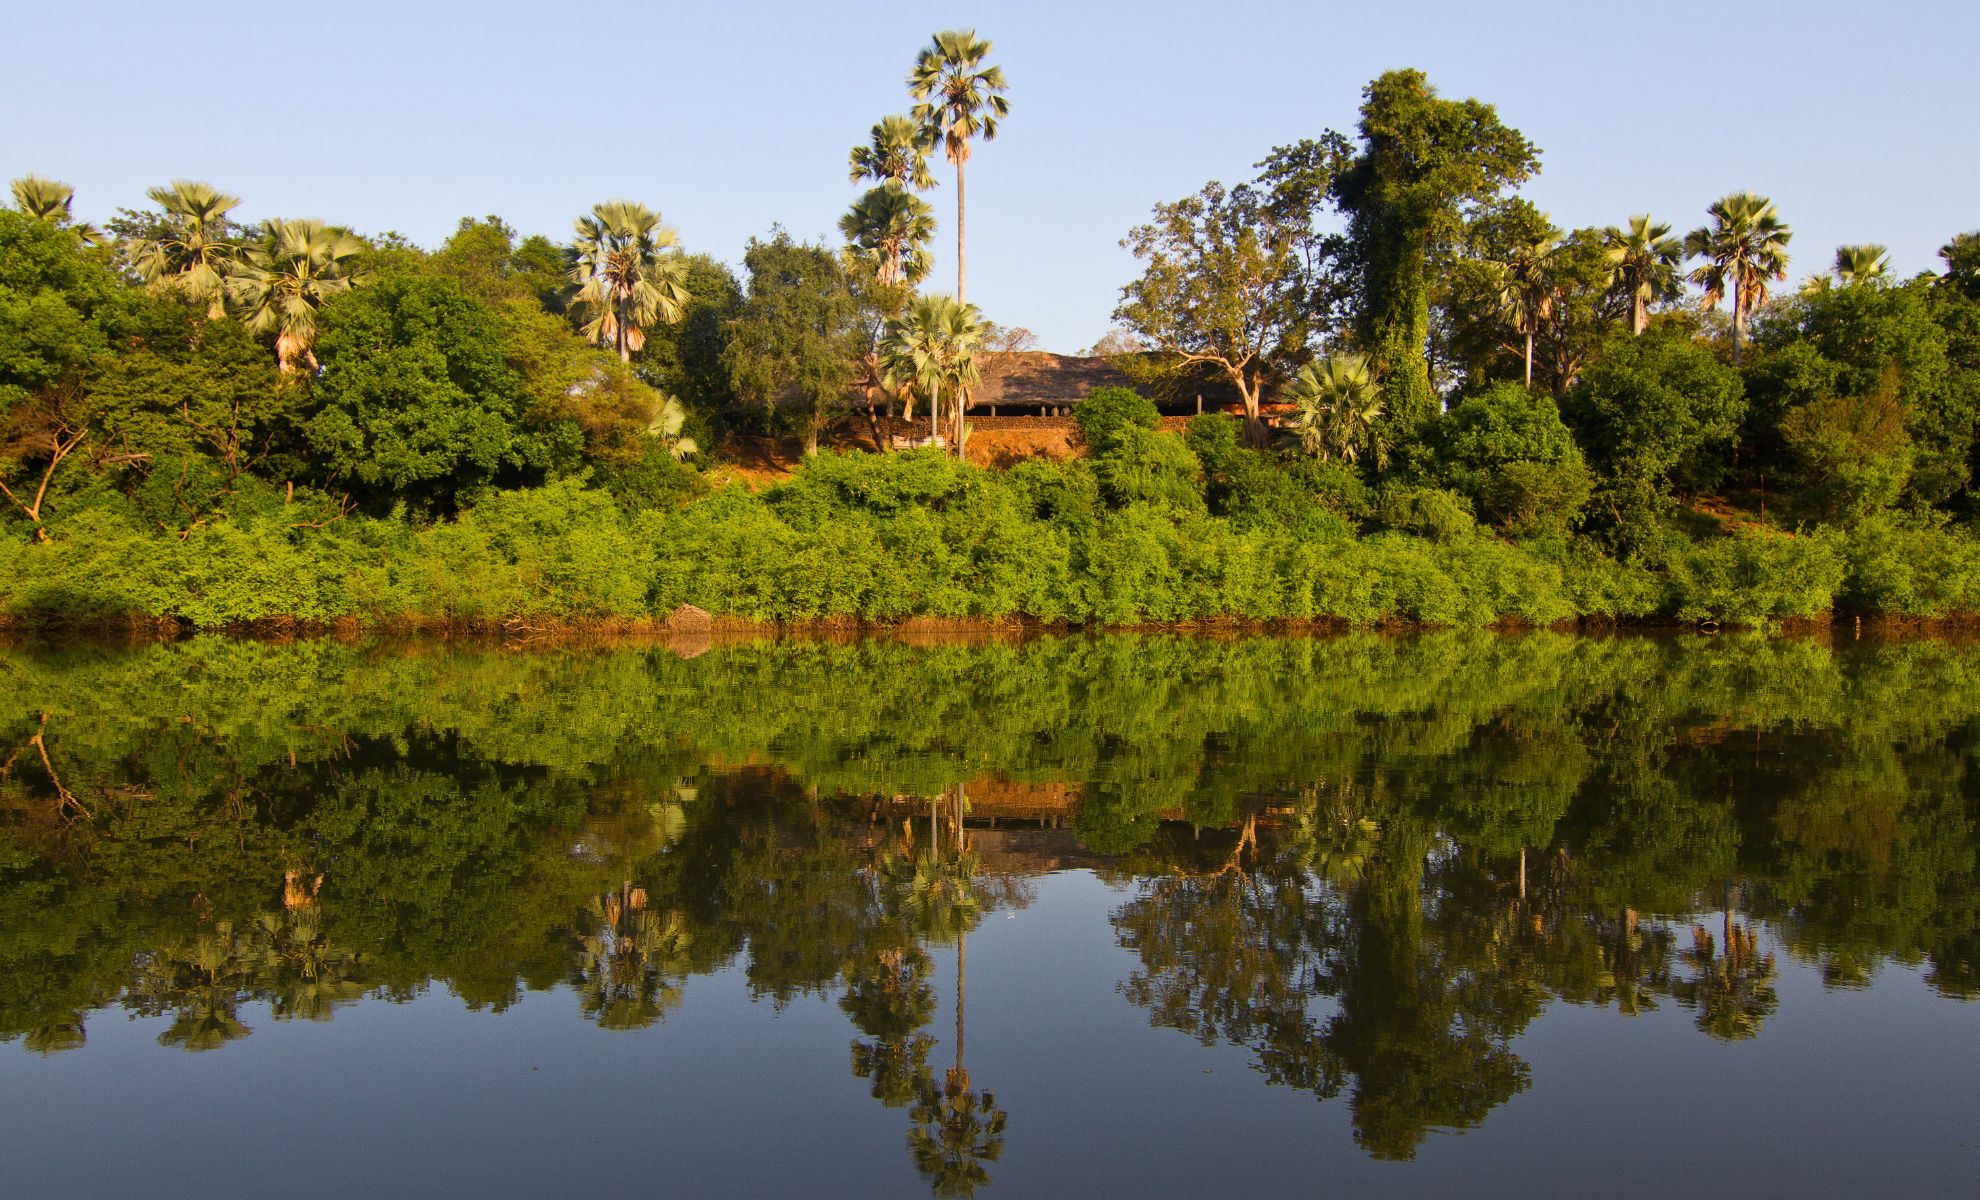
(1122, 915)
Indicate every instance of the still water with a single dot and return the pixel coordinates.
(1150, 916)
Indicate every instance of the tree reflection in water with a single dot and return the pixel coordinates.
(1373, 862)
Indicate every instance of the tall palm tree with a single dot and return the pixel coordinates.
(282, 281)
(1745, 249)
(52, 201)
(1643, 263)
(896, 152)
(957, 99)
(932, 347)
(889, 230)
(1338, 409)
(1868, 263)
(191, 252)
(1526, 289)
(626, 280)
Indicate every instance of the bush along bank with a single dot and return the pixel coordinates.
(874, 538)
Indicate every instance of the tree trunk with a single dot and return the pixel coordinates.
(959, 231)
(1739, 320)
(1639, 316)
(934, 414)
(811, 425)
(1529, 360)
(962, 395)
(1254, 419)
(962, 961)
(873, 423)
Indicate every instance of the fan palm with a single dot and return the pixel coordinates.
(1338, 409)
(191, 252)
(1862, 264)
(932, 347)
(282, 281)
(958, 99)
(626, 280)
(668, 421)
(52, 201)
(43, 199)
(889, 230)
(1643, 263)
(1526, 289)
(1745, 249)
(896, 152)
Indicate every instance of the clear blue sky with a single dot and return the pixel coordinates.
(1859, 120)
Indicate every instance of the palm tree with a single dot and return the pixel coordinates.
(1745, 248)
(958, 99)
(626, 281)
(889, 230)
(190, 253)
(52, 201)
(669, 419)
(1868, 263)
(1733, 992)
(282, 281)
(1338, 409)
(1643, 262)
(932, 347)
(1526, 289)
(896, 152)
(43, 199)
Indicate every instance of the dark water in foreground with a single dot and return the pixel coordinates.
(1152, 916)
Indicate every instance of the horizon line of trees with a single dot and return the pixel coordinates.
(1435, 352)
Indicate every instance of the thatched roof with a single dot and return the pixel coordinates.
(1023, 378)
(1038, 377)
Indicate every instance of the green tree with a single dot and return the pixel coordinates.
(417, 401)
(282, 281)
(1220, 287)
(628, 275)
(1507, 449)
(192, 250)
(799, 333)
(1421, 161)
(1844, 342)
(958, 99)
(1643, 266)
(1745, 249)
(1653, 411)
(59, 311)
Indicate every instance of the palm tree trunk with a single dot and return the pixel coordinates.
(959, 231)
(962, 395)
(934, 409)
(1739, 320)
(1639, 316)
(962, 959)
(1529, 359)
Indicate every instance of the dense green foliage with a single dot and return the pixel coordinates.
(1455, 412)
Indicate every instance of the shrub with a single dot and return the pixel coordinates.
(1507, 450)
(1431, 512)
(1147, 466)
(1753, 578)
(1107, 413)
